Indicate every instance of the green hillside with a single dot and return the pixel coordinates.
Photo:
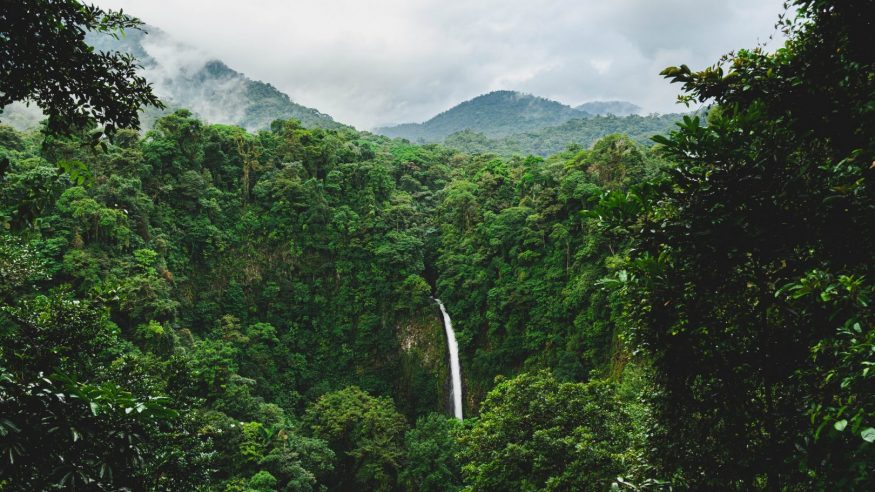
(208, 88)
(494, 114)
(576, 132)
(603, 108)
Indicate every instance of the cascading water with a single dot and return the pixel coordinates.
(455, 368)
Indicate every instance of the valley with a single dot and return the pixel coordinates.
(207, 286)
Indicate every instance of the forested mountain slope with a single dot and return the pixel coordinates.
(495, 114)
(262, 270)
(184, 77)
(604, 108)
(187, 78)
(577, 132)
(250, 276)
(511, 123)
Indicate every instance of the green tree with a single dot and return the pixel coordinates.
(432, 447)
(536, 433)
(62, 427)
(44, 58)
(262, 482)
(366, 433)
(616, 161)
(750, 281)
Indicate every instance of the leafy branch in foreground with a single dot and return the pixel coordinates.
(44, 59)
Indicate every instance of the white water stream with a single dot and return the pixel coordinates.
(455, 368)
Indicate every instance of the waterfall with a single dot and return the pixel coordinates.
(455, 368)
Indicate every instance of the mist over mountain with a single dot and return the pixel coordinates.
(495, 114)
(616, 108)
(185, 77)
(20, 116)
(503, 122)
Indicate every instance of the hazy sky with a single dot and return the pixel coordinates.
(375, 62)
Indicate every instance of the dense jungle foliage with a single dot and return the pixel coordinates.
(203, 308)
(583, 132)
(255, 285)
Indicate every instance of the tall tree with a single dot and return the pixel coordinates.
(536, 433)
(365, 432)
(751, 282)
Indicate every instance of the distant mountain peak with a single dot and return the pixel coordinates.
(185, 77)
(504, 94)
(496, 113)
(498, 93)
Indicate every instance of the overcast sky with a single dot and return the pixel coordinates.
(376, 62)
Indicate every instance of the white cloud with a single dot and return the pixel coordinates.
(386, 61)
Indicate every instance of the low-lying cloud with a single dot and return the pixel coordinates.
(389, 61)
(174, 75)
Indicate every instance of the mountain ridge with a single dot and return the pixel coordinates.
(604, 108)
(503, 113)
(184, 77)
(580, 132)
(495, 114)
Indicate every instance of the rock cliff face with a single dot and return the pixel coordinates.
(423, 384)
